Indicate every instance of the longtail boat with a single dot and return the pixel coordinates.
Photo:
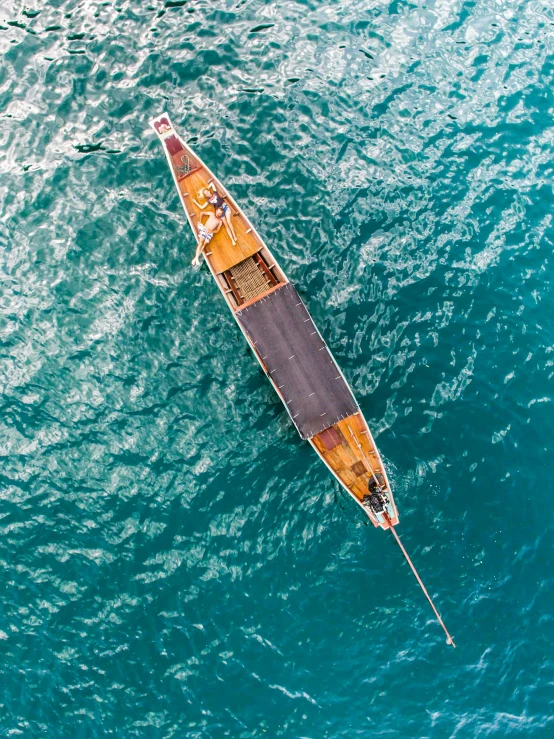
(282, 335)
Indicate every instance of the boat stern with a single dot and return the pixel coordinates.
(349, 451)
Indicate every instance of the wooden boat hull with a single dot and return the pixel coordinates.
(252, 282)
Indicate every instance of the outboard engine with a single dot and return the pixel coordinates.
(377, 499)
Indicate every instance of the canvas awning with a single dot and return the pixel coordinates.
(298, 361)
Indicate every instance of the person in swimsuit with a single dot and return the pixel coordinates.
(206, 231)
(212, 197)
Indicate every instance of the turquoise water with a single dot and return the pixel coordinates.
(175, 561)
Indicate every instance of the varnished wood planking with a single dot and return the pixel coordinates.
(224, 254)
(347, 455)
(336, 461)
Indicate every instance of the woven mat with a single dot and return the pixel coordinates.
(249, 279)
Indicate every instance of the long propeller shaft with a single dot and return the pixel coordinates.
(449, 639)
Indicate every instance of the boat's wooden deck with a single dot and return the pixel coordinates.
(340, 452)
(224, 254)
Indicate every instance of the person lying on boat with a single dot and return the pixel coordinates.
(207, 230)
(212, 197)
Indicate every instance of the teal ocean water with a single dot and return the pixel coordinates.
(175, 561)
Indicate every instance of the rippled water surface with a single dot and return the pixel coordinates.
(175, 561)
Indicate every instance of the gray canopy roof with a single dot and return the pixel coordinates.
(298, 361)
